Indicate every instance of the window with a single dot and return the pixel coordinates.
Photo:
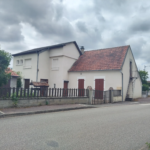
(44, 80)
(17, 63)
(21, 62)
(55, 64)
(27, 63)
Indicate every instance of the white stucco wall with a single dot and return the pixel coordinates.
(44, 65)
(111, 79)
(66, 56)
(13, 82)
(27, 73)
(126, 72)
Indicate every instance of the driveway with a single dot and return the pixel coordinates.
(144, 100)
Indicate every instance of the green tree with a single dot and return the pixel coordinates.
(5, 59)
(19, 82)
(145, 87)
(144, 76)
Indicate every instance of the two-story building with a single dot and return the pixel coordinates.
(66, 66)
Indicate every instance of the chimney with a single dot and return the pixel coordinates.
(82, 49)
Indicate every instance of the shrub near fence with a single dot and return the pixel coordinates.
(42, 92)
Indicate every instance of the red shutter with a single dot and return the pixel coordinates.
(99, 84)
(99, 88)
(81, 87)
(65, 85)
(65, 92)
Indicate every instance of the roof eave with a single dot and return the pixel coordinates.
(96, 70)
(125, 57)
(48, 48)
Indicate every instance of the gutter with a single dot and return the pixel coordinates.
(122, 83)
(37, 67)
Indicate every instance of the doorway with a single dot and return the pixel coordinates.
(65, 92)
(81, 87)
(99, 88)
(26, 83)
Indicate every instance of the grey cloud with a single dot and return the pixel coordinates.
(94, 24)
(136, 45)
(81, 26)
(10, 33)
(140, 25)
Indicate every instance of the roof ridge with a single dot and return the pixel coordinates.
(105, 48)
(35, 50)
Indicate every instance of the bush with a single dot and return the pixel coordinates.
(14, 99)
(145, 87)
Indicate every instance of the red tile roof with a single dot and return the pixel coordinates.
(39, 84)
(8, 70)
(102, 59)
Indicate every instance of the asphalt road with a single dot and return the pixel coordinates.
(125, 127)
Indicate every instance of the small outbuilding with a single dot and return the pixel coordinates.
(12, 83)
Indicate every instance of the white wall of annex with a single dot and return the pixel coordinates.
(111, 79)
(126, 74)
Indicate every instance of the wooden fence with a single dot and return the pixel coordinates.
(42, 92)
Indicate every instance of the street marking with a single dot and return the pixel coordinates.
(134, 102)
(145, 104)
(2, 112)
(83, 105)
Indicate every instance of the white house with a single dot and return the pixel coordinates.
(66, 66)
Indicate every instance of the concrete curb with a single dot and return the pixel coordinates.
(40, 112)
(144, 148)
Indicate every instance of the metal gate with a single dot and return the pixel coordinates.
(101, 97)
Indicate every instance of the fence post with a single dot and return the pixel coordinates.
(90, 94)
(112, 96)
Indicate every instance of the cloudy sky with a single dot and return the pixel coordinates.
(94, 24)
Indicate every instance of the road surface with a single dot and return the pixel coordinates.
(123, 127)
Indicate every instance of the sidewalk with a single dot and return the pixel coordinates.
(9, 112)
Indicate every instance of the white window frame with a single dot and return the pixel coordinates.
(20, 62)
(55, 68)
(27, 67)
(17, 62)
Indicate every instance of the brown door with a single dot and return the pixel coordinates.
(81, 87)
(27, 82)
(99, 88)
(65, 92)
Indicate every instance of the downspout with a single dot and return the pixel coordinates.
(122, 83)
(37, 66)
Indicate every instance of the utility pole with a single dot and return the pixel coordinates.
(145, 67)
